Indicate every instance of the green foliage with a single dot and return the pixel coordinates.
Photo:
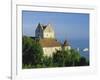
(32, 56)
(32, 51)
(47, 61)
(83, 62)
(66, 58)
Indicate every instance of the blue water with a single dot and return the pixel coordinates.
(81, 44)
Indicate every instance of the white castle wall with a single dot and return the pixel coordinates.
(48, 51)
(48, 35)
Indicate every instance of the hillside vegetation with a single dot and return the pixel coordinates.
(32, 56)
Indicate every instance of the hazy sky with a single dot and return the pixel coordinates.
(65, 25)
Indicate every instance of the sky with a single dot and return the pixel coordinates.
(66, 25)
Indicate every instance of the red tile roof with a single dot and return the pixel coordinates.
(49, 43)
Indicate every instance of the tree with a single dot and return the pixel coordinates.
(47, 61)
(83, 61)
(66, 58)
(32, 51)
(58, 59)
(75, 56)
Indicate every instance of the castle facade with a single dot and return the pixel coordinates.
(47, 39)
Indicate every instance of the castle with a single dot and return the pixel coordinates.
(47, 39)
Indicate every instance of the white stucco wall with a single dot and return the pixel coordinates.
(48, 51)
(48, 35)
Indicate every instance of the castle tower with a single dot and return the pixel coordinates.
(66, 46)
(39, 31)
(44, 31)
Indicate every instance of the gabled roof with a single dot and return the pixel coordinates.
(47, 27)
(49, 43)
(39, 27)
